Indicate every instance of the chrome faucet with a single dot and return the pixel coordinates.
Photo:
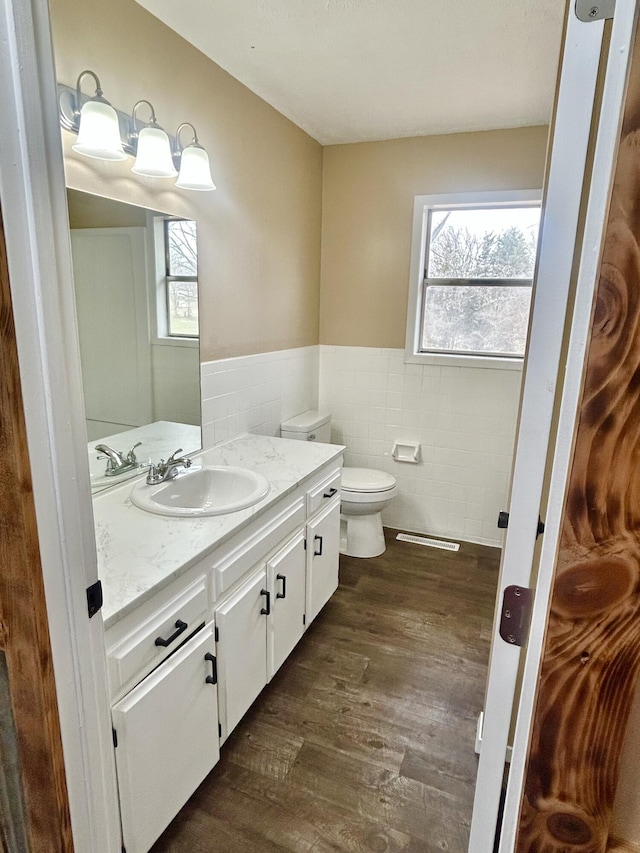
(167, 470)
(118, 463)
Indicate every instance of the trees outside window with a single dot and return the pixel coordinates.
(181, 252)
(476, 290)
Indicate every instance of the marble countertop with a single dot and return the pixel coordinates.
(139, 552)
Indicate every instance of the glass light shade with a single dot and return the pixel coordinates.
(153, 157)
(99, 132)
(195, 172)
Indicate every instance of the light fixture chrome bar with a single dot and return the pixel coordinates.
(69, 111)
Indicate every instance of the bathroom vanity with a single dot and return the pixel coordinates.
(201, 613)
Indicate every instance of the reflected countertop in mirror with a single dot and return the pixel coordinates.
(150, 443)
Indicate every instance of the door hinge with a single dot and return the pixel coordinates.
(515, 616)
(594, 10)
(219, 729)
(114, 735)
(304, 618)
(94, 598)
(503, 522)
(216, 634)
(305, 544)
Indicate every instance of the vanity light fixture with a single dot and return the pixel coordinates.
(153, 149)
(98, 128)
(195, 171)
(105, 133)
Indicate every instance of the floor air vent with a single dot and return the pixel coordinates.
(431, 543)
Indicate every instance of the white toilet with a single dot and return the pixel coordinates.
(364, 493)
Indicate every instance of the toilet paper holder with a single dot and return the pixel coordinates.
(406, 451)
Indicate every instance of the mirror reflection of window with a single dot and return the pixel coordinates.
(181, 253)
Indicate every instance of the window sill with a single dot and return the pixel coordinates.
(176, 342)
(451, 360)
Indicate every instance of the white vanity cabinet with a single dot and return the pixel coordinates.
(166, 731)
(179, 685)
(258, 626)
(242, 649)
(286, 576)
(323, 543)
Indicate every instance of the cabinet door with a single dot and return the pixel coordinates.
(167, 740)
(286, 577)
(242, 649)
(323, 541)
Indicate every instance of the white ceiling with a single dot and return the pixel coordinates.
(355, 70)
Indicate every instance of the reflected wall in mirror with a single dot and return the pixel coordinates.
(136, 287)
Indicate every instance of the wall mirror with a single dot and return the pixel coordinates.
(136, 287)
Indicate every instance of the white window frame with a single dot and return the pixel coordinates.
(158, 286)
(422, 206)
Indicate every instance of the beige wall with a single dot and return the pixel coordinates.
(260, 231)
(368, 191)
(91, 211)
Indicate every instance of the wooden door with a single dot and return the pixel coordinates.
(167, 741)
(242, 649)
(286, 578)
(591, 656)
(34, 813)
(323, 545)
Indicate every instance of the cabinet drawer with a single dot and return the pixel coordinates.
(234, 561)
(136, 654)
(321, 494)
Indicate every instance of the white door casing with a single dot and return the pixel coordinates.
(32, 188)
(607, 139)
(556, 249)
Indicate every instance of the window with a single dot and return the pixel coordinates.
(181, 278)
(472, 272)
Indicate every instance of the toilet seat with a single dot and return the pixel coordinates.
(366, 480)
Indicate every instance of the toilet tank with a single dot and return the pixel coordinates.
(309, 426)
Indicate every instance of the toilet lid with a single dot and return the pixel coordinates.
(366, 480)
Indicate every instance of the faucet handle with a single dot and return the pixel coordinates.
(174, 458)
(131, 456)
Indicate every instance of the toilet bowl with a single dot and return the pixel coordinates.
(364, 492)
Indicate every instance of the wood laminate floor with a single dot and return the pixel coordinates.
(364, 740)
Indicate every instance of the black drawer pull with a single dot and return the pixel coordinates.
(213, 678)
(319, 539)
(330, 493)
(266, 611)
(282, 594)
(180, 627)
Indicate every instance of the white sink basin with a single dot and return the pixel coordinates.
(204, 491)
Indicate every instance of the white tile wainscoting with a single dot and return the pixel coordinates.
(255, 393)
(463, 417)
